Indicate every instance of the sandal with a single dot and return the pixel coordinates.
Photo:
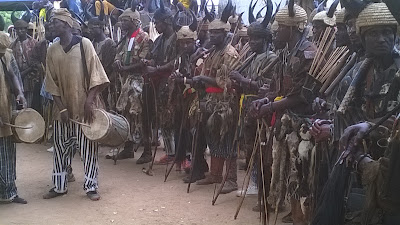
(53, 194)
(19, 200)
(93, 195)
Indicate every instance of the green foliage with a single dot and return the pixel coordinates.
(7, 17)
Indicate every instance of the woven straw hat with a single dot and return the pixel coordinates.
(375, 14)
(299, 19)
(134, 15)
(322, 16)
(186, 33)
(340, 15)
(219, 25)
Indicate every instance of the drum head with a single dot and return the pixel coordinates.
(29, 118)
(100, 126)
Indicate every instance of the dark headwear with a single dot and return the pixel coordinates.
(261, 29)
(163, 13)
(18, 23)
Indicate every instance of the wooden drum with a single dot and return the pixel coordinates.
(28, 125)
(108, 129)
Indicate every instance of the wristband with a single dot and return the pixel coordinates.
(64, 110)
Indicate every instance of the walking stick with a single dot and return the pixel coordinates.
(194, 148)
(149, 171)
(264, 212)
(249, 168)
(179, 143)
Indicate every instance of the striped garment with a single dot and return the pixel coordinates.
(67, 138)
(8, 189)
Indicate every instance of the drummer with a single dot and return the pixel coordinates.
(75, 90)
(8, 81)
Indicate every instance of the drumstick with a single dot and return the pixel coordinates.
(82, 124)
(16, 126)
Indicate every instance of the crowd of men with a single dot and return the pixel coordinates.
(310, 100)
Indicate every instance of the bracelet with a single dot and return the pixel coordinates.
(184, 80)
(64, 110)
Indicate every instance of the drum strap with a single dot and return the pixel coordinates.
(7, 76)
(85, 69)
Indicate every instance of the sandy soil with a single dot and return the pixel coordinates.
(128, 196)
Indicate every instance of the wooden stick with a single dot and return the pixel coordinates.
(249, 167)
(80, 123)
(319, 50)
(322, 58)
(332, 61)
(19, 127)
(342, 73)
(263, 185)
(340, 65)
(322, 48)
(332, 64)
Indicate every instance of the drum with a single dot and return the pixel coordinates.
(27, 125)
(108, 129)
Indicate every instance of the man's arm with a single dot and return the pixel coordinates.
(17, 86)
(90, 100)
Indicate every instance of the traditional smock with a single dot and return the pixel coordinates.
(65, 76)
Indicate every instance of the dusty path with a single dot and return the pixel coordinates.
(128, 196)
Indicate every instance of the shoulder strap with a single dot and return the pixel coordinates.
(85, 69)
(7, 75)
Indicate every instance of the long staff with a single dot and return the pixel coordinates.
(183, 122)
(249, 168)
(195, 147)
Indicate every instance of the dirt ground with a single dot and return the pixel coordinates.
(128, 196)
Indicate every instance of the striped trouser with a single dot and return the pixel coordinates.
(8, 190)
(67, 138)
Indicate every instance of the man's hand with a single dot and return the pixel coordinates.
(236, 76)
(321, 130)
(22, 101)
(150, 69)
(176, 77)
(356, 131)
(147, 62)
(265, 109)
(319, 105)
(88, 111)
(197, 79)
(256, 106)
